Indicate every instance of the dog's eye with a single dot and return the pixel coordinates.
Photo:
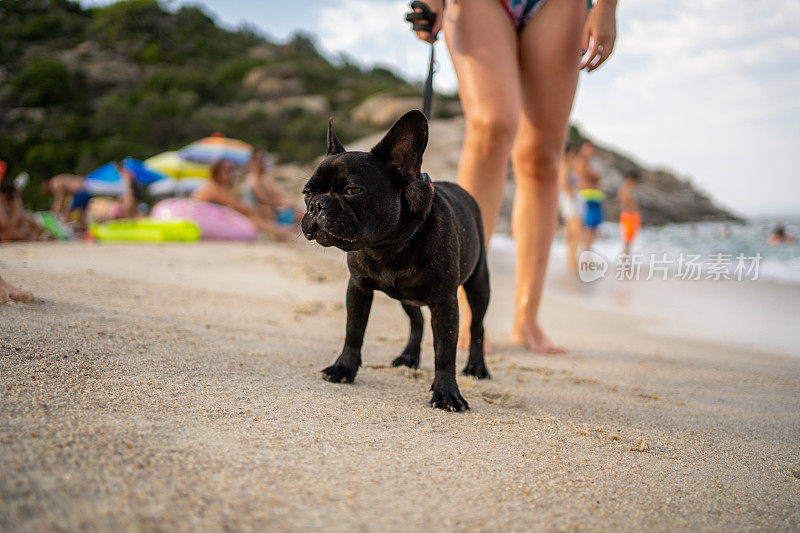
(307, 194)
(353, 190)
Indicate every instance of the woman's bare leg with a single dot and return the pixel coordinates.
(549, 62)
(574, 232)
(589, 235)
(483, 45)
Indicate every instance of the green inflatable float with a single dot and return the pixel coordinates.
(50, 223)
(146, 230)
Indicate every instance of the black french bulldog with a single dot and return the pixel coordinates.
(412, 239)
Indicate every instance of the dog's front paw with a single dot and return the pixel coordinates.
(407, 358)
(339, 374)
(448, 398)
(478, 370)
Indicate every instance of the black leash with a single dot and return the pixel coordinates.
(423, 20)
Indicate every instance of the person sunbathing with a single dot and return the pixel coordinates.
(9, 293)
(261, 191)
(16, 224)
(218, 189)
(64, 187)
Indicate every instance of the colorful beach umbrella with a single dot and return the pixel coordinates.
(172, 187)
(174, 166)
(216, 148)
(107, 181)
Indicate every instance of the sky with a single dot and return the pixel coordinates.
(709, 89)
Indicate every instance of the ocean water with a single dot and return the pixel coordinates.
(779, 264)
(759, 314)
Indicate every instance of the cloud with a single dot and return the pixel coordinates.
(351, 23)
(375, 31)
(709, 87)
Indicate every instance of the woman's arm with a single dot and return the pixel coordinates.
(599, 34)
(219, 195)
(222, 196)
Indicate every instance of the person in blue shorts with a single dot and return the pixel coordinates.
(591, 194)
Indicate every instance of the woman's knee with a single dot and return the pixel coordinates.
(535, 162)
(492, 131)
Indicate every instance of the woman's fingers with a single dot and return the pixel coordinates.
(427, 36)
(605, 47)
(591, 54)
(605, 51)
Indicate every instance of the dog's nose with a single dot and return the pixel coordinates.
(319, 203)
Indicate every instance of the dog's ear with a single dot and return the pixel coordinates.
(334, 146)
(402, 148)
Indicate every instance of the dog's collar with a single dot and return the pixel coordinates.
(427, 179)
(396, 246)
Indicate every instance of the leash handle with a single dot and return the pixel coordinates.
(423, 20)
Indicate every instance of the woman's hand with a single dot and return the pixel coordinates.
(437, 6)
(600, 32)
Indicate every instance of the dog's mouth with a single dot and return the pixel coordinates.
(338, 237)
(331, 234)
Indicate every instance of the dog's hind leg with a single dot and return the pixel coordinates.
(410, 355)
(477, 291)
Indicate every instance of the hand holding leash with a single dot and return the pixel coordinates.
(425, 21)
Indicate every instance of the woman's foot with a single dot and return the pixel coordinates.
(465, 324)
(534, 339)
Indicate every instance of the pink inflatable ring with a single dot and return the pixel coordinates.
(215, 221)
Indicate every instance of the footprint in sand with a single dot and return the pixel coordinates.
(542, 371)
(646, 396)
(315, 308)
(502, 399)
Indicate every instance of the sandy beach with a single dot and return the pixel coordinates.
(177, 387)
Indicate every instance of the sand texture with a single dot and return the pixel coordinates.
(177, 387)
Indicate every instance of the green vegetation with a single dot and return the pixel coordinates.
(82, 86)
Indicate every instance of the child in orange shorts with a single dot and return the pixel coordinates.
(629, 220)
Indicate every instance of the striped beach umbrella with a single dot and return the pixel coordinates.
(215, 148)
(106, 181)
(174, 166)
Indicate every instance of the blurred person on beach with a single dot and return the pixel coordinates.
(132, 195)
(517, 63)
(10, 293)
(70, 197)
(569, 205)
(16, 224)
(261, 191)
(218, 189)
(591, 194)
(73, 199)
(630, 221)
(780, 235)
